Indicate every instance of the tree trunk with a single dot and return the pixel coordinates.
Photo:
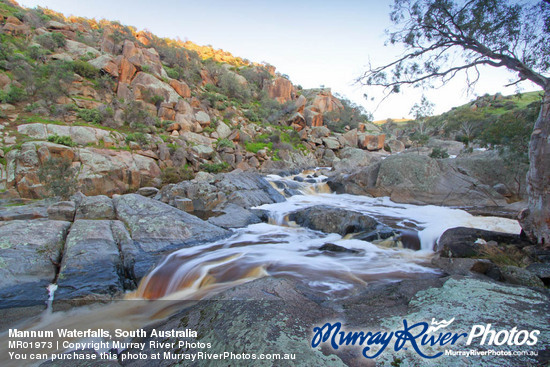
(535, 220)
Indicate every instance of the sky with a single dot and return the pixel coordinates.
(315, 43)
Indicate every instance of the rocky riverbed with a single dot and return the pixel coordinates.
(269, 260)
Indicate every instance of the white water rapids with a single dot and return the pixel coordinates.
(282, 249)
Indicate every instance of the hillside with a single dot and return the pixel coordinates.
(123, 109)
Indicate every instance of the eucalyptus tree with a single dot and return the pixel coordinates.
(443, 38)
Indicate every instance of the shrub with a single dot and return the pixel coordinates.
(137, 117)
(51, 80)
(171, 175)
(214, 167)
(85, 70)
(58, 177)
(37, 53)
(63, 140)
(257, 146)
(225, 143)
(231, 87)
(62, 110)
(438, 152)
(172, 73)
(13, 95)
(52, 40)
(251, 116)
(139, 138)
(156, 99)
(90, 115)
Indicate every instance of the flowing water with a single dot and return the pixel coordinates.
(280, 248)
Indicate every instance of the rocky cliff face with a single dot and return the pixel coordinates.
(127, 109)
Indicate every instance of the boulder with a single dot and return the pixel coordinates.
(18, 211)
(107, 64)
(350, 138)
(278, 310)
(92, 267)
(63, 210)
(223, 130)
(80, 49)
(144, 83)
(490, 169)
(147, 191)
(126, 72)
(203, 151)
(467, 301)
(244, 189)
(333, 220)
(29, 252)
(331, 143)
(324, 102)
(281, 89)
(320, 132)
(313, 118)
(415, 179)
(541, 270)
(396, 146)
(520, 276)
(95, 207)
(452, 147)
(184, 204)
(202, 118)
(371, 142)
(158, 228)
(234, 217)
(181, 88)
(461, 241)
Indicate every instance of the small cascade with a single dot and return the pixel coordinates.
(310, 182)
(51, 293)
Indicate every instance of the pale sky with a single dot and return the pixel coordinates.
(314, 42)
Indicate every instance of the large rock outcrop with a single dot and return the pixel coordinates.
(98, 171)
(415, 179)
(158, 228)
(29, 253)
(244, 189)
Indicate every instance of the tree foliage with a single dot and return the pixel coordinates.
(443, 37)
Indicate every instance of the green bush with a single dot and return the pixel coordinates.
(13, 95)
(52, 40)
(137, 117)
(231, 87)
(90, 115)
(251, 116)
(85, 70)
(139, 138)
(37, 53)
(214, 167)
(51, 80)
(171, 175)
(257, 146)
(225, 143)
(58, 177)
(438, 152)
(156, 99)
(63, 140)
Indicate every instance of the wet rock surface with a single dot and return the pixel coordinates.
(158, 228)
(29, 254)
(280, 314)
(244, 189)
(333, 220)
(91, 248)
